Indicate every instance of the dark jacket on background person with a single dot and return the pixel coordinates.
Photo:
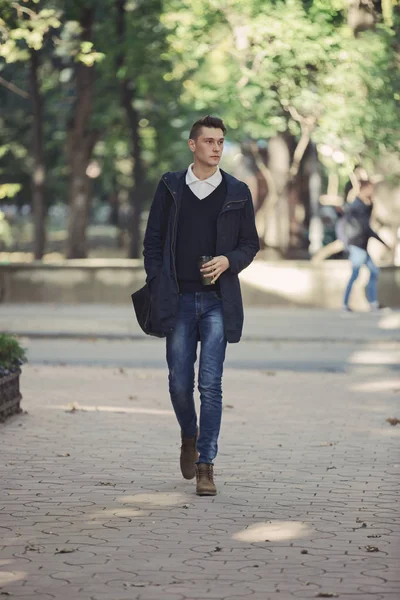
(237, 239)
(354, 228)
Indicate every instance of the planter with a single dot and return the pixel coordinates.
(10, 396)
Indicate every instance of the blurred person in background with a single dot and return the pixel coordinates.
(199, 213)
(354, 230)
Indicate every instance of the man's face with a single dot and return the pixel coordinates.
(366, 193)
(207, 148)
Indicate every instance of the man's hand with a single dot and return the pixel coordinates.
(215, 267)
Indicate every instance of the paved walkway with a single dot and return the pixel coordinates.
(93, 506)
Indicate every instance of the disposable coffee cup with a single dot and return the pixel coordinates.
(205, 279)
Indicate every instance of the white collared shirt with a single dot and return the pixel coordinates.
(205, 187)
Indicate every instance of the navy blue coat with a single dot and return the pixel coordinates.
(237, 239)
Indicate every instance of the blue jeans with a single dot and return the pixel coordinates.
(199, 319)
(358, 258)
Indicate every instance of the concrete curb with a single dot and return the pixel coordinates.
(66, 335)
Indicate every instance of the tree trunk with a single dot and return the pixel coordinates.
(279, 166)
(132, 115)
(80, 196)
(296, 187)
(265, 214)
(38, 169)
(80, 144)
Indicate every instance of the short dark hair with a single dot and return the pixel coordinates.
(365, 183)
(208, 121)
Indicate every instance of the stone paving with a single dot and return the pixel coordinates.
(93, 506)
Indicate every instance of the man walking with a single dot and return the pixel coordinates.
(199, 212)
(354, 229)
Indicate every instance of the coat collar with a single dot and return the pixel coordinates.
(235, 188)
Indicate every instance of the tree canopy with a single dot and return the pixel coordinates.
(125, 79)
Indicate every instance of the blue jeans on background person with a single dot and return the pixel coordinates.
(199, 318)
(359, 257)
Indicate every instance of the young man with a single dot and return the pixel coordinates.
(201, 211)
(355, 231)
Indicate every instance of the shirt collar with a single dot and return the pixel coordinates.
(214, 180)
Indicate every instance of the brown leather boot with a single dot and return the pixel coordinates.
(205, 485)
(189, 456)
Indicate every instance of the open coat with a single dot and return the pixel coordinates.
(237, 239)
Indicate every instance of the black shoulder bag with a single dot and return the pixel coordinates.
(141, 299)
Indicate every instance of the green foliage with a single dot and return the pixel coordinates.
(26, 29)
(12, 355)
(265, 67)
(9, 190)
(270, 67)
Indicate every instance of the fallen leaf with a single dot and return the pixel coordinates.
(74, 407)
(30, 548)
(64, 551)
(326, 595)
(329, 468)
(304, 552)
(132, 397)
(228, 406)
(63, 455)
(185, 506)
(106, 483)
(393, 420)
(371, 548)
(373, 536)
(217, 549)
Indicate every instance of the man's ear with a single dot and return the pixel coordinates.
(192, 145)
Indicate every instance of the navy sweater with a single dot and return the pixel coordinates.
(197, 236)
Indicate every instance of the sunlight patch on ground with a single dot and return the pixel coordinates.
(115, 409)
(11, 576)
(375, 357)
(120, 512)
(385, 431)
(277, 531)
(385, 385)
(155, 500)
(390, 321)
